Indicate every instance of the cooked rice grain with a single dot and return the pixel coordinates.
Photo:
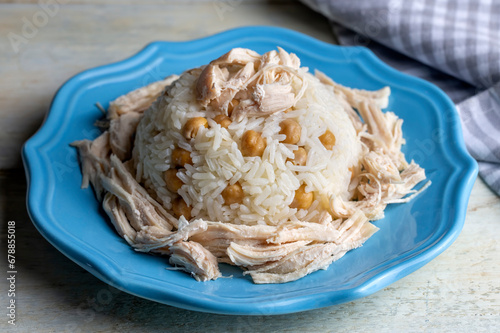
(268, 182)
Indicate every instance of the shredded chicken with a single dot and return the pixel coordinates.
(384, 132)
(121, 133)
(261, 254)
(378, 192)
(143, 213)
(355, 97)
(94, 156)
(194, 259)
(139, 99)
(262, 85)
(239, 84)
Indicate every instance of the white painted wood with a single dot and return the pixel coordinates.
(457, 292)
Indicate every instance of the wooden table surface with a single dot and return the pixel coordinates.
(457, 292)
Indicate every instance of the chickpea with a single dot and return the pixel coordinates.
(300, 157)
(291, 129)
(181, 157)
(328, 140)
(354, 172)
(234, 103)
(173, 182)
(233, 194)
(302, 200)
(180, 208)
(222, 120)
(252, 143)
(191, 127)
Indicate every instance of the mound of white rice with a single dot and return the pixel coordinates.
(268, 182)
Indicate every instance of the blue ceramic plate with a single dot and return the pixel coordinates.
(410, 235)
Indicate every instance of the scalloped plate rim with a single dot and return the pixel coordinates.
(128, 281)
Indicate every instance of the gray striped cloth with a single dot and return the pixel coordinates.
(453, 43)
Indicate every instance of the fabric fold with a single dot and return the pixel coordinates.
(453, 44)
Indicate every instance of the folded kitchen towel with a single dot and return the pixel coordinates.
(452, 43)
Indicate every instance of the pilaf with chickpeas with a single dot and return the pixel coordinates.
(252, 161)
